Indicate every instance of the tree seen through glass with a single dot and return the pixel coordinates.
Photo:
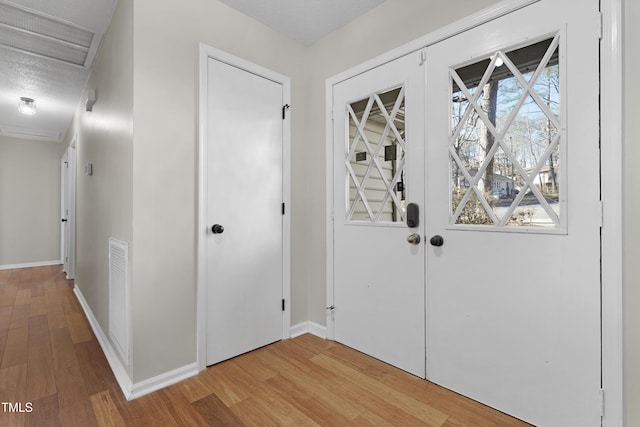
(505, 148)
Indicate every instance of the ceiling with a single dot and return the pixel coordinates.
(47, 48)
(46, 51)
(306, 21)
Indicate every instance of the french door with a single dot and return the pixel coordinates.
(378, 192)
(509, 224)
(513, 314)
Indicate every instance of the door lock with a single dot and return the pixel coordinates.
(414, 239)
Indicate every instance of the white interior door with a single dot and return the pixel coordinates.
(244, 246)
(68, 210)
(513, 293)
(64, 210)
(378, 294)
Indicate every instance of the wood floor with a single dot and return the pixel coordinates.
(52, 369)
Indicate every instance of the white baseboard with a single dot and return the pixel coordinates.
(309, 328)
(30, 264)
(129, 389)
(163, 380)
(116, 365)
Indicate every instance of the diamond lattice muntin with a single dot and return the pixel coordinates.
(375, 161)
(504, 149)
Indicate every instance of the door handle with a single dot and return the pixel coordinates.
(414, 239)
(217, 229)
(436, 240)
(63, 220)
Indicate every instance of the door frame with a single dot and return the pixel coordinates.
(68, 194)
(611, 111)
(206, 52)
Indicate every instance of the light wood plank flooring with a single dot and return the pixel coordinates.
(50, 358)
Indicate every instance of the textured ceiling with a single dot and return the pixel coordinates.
(56, 86)
(306, 21)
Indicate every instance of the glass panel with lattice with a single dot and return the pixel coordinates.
(375, 161)
(505, 149)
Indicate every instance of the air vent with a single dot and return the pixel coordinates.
(34, 134)
(119, 297)
(35, 34)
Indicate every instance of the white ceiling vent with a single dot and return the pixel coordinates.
(33, 134)
(36, 34)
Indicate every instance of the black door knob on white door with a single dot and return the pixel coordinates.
(217, 229)
(436, 240)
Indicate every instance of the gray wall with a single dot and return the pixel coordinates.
(166, 37)
(30, 177)
(104, 137)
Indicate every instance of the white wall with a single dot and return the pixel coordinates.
(104, 138)
(632, 215)
(29, 201)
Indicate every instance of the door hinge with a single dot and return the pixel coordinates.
(422, 57)
(283, 306)
(599, 25)
(284, 110)
(601, 213)
(283, 208)
(601, 403)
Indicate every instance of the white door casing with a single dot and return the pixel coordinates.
(64, 209)
(68, 210)
(378, 294)
(244, 170)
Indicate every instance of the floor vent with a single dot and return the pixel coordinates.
(119, 297)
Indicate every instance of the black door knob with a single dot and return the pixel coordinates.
(217, 229)
(64, 220)
(436, 240)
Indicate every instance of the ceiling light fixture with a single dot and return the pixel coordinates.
(27, 106)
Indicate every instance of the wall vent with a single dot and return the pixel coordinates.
(119, 297)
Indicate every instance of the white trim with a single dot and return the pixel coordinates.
(330, 214)
(483, 16)
(612, 167)
(30, 264)
(63, 195)
(206, 52)
(163, 380)
(129, 389)
(68, 189)
(119, 371)
(299, 329)
(73, 183)
(612, 180)
(309, 328)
